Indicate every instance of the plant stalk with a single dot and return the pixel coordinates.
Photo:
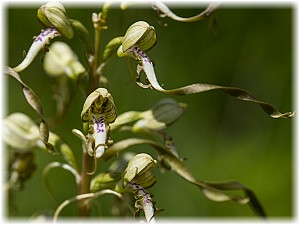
(87, 160)
(84, 187)
(94, 76)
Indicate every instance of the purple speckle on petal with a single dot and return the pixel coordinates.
(140, 53)
(100, 124)
(43, 34)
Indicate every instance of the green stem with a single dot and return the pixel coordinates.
(84, 187)
(94, 76)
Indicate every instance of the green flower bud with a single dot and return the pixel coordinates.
(20, 132)
(141, 34)
(22, 168)
(139, 170)
(163, 114)
(125, 118)
(53, 14)
(120, 164)
(61, 60)
(168, 111)
(64, 150)
(24, 163)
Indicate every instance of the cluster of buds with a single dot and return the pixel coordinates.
(61, 60)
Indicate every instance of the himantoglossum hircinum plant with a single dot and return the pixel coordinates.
(130, 177)
(139, 37)
(98, 111)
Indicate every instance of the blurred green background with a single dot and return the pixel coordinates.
(222, 138)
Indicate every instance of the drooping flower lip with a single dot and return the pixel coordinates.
(42, 40)
(100, 134)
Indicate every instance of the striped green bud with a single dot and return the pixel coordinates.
(139, 170)
(141, 34)
(61, 60)
(53, 14)
(20, 132)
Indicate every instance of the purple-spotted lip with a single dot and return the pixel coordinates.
(100, 124)
(140, 53)
(45, 33)
(141, 189)
(38, 44)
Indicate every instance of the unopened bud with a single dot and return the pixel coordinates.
(24, 163)
(53, 14)
(61, 60)
(168, 110)
(141, 34)
(20, 132)
(139, 170)
(162, 114)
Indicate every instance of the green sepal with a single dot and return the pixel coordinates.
(140, 33)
